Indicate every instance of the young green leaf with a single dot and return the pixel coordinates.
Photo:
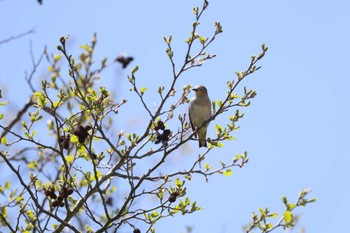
(288, 217)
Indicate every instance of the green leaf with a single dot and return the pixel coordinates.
(54, 225)
(238, 156)
(69, 159)
(1, 116)
(40, 98)
(7, 185)
(57, 57)
(3, 211)
(34, 133)
(284, 199)
(179, 183)
(207, 166)
(219, 129)
(85, 47)
(155, 214)
(228, 172)
(202, 40)
(4, 141)
(188, 40)
(19, 199)
(25, 126)
(3, 103)
(219, 103)
(143, 90)
(31, 214)
(27, 135)
(136, 68)
(56, 104)
(263, 211)
(32, 165)
(273, 215)
(168, 40)
(187, 201)
(288, 217)
(218, 27)
(291, 206)
(74, 139)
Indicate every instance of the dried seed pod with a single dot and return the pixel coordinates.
(64, 141)
(69, 191)
(88, 127)
(94, 156)
(55, 203)
(109, 201)
(166, 132)
(81, 132)
(172, 198)
(50, 193)
(65, 192)
(124, 60)
(161, 125)
(60, 198)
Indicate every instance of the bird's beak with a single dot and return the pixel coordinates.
(194, 89)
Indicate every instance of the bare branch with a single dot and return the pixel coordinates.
(17, 36)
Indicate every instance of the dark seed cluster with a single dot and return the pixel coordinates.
(124, 60)
(82, 132)
(164, 136)
(94, 156)
(173, 196)
(109, 201)
(63, 140)
(62, 194)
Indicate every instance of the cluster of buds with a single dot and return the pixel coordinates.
(58, 200)
(164, 136)
(82, 132)
(63, 140)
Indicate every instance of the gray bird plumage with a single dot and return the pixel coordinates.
(200, 111)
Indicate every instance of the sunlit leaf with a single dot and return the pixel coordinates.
(69, 159)
(288, 216)
(4, 141)
(143, 90)
(32, 165)
(228, 172)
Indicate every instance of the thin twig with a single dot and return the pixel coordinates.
(17, 36)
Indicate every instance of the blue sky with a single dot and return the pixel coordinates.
(295, 131)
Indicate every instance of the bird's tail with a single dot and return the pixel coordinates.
(202, 137)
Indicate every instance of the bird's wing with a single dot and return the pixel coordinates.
(193, 128)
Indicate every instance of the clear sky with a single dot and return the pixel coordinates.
(295, 131)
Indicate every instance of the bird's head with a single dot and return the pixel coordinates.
(200, 90)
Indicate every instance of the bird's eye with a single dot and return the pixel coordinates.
(200, 89)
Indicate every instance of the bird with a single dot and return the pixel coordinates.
(199, 112)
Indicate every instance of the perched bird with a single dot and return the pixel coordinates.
(199, 112)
